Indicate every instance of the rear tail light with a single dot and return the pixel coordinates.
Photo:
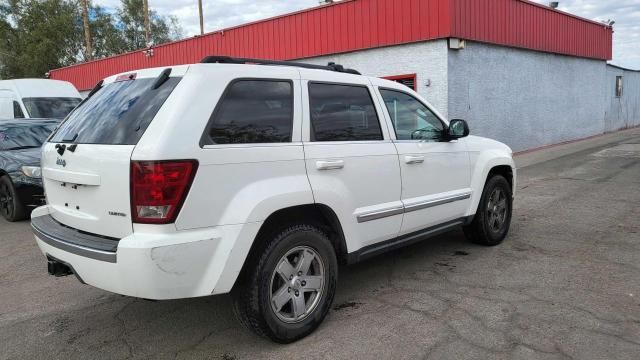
(159, 188)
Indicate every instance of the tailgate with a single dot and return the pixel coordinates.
(88, 189)
(86, 163)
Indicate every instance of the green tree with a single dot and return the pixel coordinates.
(107, 38)
(39, 35)
(131, 19)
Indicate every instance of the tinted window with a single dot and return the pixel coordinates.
(412, 120)
(118, 114)
(22, 136)
(253, 111)
(50, 108)
(342, 113)
(17, 111)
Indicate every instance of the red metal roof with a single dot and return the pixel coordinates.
(352, 25)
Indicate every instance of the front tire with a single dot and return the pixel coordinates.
(492, 221)
(11, 207)
(288, 291)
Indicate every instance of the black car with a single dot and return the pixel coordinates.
(20, 174)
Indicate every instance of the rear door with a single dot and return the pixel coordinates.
(86, 163)
(351, 162)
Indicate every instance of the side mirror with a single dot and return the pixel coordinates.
(457, 129)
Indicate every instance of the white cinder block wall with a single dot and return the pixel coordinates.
(428, 60)
(525, 98)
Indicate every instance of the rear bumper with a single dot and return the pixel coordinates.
(48, 230)
(159, 266)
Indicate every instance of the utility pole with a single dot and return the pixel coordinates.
(201, 17)
(147, 29)
(87, 31)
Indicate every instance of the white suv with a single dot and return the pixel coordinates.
(258, 178)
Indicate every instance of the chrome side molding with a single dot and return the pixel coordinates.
(380, 214)
(436, 202)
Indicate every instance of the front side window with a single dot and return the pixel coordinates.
(117, 114)
(411, 119)
(253, 112)
(50, 108)
(17, 111)
(342, 113)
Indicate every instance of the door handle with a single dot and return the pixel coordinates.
(411, 159)
(329, 164)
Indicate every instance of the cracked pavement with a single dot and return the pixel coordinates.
(564, 285)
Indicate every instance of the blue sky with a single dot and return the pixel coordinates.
(224, 13)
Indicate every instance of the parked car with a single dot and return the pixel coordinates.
(20, 175)
(258, 179)
(37, 99)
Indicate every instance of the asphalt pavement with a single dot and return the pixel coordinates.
(564, 285)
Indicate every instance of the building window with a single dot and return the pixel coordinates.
(342, 113)
(408, 80)
(619, 87)
(254, 112)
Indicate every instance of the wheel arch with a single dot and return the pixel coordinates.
(489, 164)
(505, 170)
(315, 214)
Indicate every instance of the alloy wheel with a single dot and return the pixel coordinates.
(6, 201)
(297, 284)
(497, 210)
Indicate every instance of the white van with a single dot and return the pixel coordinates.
(37, 99)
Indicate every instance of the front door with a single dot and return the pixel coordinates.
(435, 173)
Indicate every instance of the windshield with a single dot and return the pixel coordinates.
(24, 135)
(50, 108)
(118, 114)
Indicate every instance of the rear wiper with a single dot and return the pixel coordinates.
(25, 147)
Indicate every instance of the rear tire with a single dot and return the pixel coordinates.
(11, 207)
(287, 290)
(492, 221)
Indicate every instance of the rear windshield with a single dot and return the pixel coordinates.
(118, 114)
(50, 108)
(17, 136)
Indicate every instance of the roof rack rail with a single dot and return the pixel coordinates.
(233, 60)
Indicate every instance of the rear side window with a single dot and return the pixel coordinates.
(253, 112)
(342, 113)
(118, 114)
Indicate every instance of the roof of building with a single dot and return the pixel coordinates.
(352, 25)
(623, 68)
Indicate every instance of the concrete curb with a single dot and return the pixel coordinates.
(536, 156)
